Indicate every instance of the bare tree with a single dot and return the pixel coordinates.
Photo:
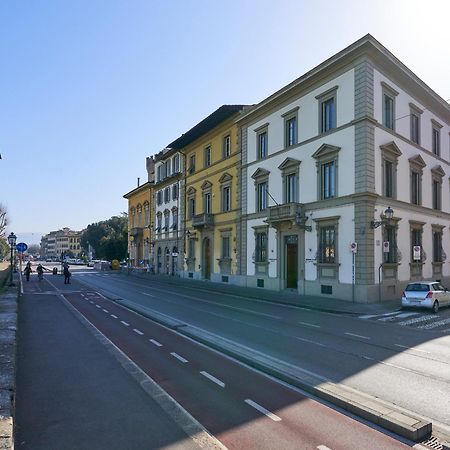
(3, 220)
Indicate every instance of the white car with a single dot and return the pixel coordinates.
(426, 294)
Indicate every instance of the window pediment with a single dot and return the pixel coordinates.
(438, 171)
(392, 149)
(206, 185)
(289, 163)
(225, 177)
(417, 161)
(191, 191)
(260, 173)
(326, 150)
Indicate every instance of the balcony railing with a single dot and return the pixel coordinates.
(288, 212)
(203, 220)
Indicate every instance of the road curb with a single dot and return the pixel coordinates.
(405, 424)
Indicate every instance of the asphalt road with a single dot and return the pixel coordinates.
(405, 366)
(241, 407)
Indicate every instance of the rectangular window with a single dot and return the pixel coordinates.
(176, 164)
(436, 137)
(415, 188)
(158, 173)
(327, 115)
(159, 197)
(328, 180)
(166, 222)
(262, 145)
(291, 188)
(436, 194)
(291, 131)
(192, 164)
(207, 203)
(174, 220)
(226, 146)
(207, 157)
(146, 216)
(225, 247)
(261, 247)
(166, 195)
(159, 222)
(191, 209)
(226, 199)
(416, 240)
(261, 192)
(327, 249)
(388, 111)
(437, 246)
(175, 192)
(168, 167)
(390, 236)
(388, 179)
(415, 128)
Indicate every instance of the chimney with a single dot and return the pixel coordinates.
(150, 163)
(139, 182)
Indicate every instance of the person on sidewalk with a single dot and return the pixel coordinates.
(40, 272)
(67, 274)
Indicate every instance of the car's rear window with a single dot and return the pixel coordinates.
(417, 287)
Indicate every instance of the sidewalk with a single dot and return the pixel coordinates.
(8, 327)
(325, 304)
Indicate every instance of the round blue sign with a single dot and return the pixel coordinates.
(21, 247)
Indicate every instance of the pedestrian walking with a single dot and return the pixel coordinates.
(67, 274)
(40, 272)
(27, 270)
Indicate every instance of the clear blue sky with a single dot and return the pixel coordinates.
(89, 88)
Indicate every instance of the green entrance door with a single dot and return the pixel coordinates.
(291, 262)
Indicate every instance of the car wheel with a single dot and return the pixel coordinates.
(436, 306)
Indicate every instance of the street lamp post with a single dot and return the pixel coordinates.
(12, 243)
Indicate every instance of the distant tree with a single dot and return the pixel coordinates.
(3, 220)
(4, 248)
(107, 238)
(33, 249)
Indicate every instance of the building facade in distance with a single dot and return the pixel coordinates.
(62, 242)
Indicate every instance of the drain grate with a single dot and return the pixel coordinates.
(433, 443)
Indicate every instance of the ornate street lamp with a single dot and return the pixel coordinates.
(388, 215)
(12, 243)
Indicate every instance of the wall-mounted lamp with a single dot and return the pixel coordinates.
(388, 215)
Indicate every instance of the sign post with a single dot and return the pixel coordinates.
(354, 250)
(21, 247)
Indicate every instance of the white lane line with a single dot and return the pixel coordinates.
(148, 295)
(369, 316)
(357, 335)
(309, 341)
(138, 332)
(155, 342)
(323, 447)
(263, 410)
(180, 358)
(125, 323)
(97, 306)
(411, 348)
(310, 324)
(398, 316)
(213, 379)
(82, 295)
(91, 302)
(105, 310)
(113, 316)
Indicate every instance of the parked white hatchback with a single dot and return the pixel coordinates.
(426, 294)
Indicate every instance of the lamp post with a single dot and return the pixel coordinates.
(12, 243)
(388, 215)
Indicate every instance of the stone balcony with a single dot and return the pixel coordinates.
(203, 220)
(288, 212)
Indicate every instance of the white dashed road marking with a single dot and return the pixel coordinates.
(125, 323)
(138, 332)
(148, 295)
(263, 410)
(97, 306)
(411, 348)
(323, 447)
(155, 342)
(105, 310)
(180, 358)
(213, 379)
(310, 324)
(113, 316)
(357, 335)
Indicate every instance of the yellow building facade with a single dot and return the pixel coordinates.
(211, 196)
(140, 213)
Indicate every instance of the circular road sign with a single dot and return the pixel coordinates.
(21, 247)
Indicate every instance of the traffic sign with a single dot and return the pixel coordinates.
(21, 247)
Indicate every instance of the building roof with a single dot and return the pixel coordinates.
(138, 189)
(216, 118)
